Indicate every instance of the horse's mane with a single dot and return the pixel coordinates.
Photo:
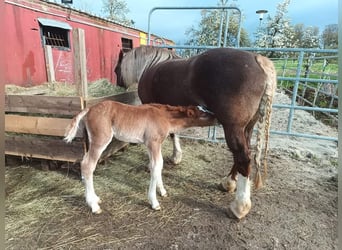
(138, 59)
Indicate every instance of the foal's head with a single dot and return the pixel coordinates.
(194, 114)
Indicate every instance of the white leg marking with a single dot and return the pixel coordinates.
(92, 199)
(160, 184)
(156, 166)
(242, 203)
(152, 191)
(177, 151)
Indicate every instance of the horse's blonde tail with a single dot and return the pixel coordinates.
(72, 128)
(264, 123)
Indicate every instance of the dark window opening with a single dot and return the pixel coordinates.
(56, 37)
(127, 44)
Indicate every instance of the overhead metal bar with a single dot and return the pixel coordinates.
(198, 8)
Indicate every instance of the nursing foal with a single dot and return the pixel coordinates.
(149, 124)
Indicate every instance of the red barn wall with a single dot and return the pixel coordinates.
(24, 53)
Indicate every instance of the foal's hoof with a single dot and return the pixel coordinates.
(156, 208)
(98, 211)
(176, 158)
(163, 193)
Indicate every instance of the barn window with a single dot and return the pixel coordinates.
(55, 33)
(127, 44)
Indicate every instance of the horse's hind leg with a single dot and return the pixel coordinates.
(176, 157)
(88, 166)
(237, 143)
(228, 183)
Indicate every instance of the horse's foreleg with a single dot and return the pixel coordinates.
(176, 157)
(156, 165)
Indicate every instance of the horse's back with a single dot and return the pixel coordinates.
(209, 79)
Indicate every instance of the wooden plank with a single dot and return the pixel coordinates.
(53, 148)
(80, 62)
(35, 92)
(50, 71)
(43, 104)
(38, 125)
(44, 148)
(128, 98)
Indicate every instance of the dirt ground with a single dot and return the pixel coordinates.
(296, 209)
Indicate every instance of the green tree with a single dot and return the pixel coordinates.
(277, 32)
(330, 36)
(306, 37)
(311, 38)
(207, 33)
(116, 10)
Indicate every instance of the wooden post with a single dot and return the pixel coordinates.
(80, 62)
(50, 71)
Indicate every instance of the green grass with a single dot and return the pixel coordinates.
(289, 68)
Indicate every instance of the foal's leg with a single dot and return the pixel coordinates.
(88, 166)
(155, 165)
(236, 140)
(176, 157)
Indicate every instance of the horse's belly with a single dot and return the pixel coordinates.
(128, 136)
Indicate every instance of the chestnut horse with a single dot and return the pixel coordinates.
(149, 124)
(237, 86)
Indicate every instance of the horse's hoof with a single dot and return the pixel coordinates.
(157, 208)
(98, 211)
(228, 185)
(230, 214)
(240, 208)
(176, 158)
(163, 193)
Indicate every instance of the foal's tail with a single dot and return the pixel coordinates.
(71, 130)
(264, 123)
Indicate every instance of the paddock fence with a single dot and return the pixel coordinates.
(35, 126)
(307, 76)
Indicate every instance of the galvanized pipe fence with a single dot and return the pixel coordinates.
(301, 78)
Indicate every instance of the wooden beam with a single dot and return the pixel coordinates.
(43, 104)
(44, 148)
(80, 62)
(37, 125)
(53, 148)
(50, 71)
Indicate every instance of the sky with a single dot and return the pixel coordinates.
(172, 24)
